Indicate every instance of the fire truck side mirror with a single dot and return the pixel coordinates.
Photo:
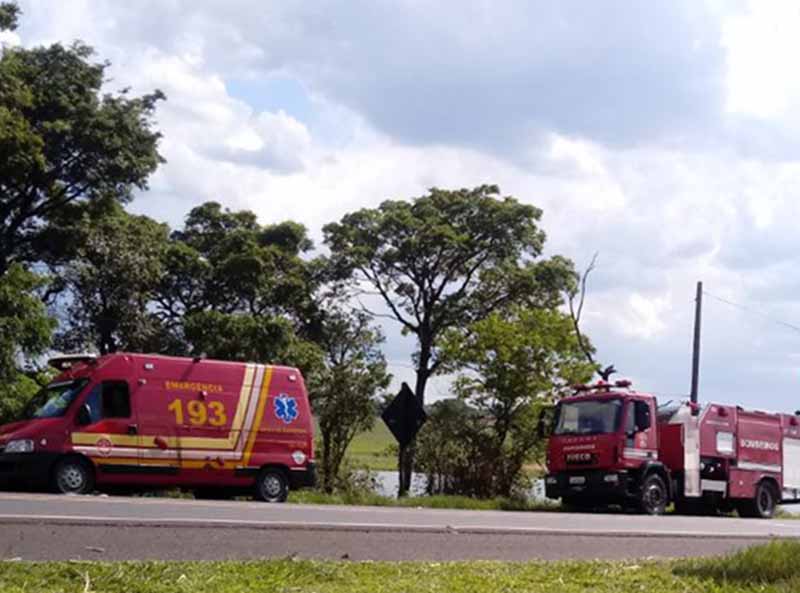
(543, 424)
(642, 416)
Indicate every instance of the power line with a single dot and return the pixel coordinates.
(754, 312)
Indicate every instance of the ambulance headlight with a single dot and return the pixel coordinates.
(19, 446)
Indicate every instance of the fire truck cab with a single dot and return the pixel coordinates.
(136, 421)
(611, 445)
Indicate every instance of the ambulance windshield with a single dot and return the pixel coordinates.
(588, 417)
(53, 401)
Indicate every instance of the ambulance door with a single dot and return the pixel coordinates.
(160, 452)
(108, 428)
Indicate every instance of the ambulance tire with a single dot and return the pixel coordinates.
(73, 475)
(763, 505)
(272, 485)
(654, 497)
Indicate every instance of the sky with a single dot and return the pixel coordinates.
(664, 136)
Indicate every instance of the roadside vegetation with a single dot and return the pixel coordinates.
(441, 501)
(767, 569)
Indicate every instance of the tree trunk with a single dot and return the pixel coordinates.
(406, 456)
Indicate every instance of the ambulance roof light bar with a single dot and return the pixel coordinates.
(67, 361)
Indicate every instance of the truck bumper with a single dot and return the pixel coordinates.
(303, 478)
(24, 471)
(592, 484)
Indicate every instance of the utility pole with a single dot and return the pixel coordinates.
(698, 306)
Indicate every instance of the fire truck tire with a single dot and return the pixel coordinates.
(653, 497)
(73, 475)
(763, 505)
(272, 485)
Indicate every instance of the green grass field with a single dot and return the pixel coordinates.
(370, 449)
(767, 569)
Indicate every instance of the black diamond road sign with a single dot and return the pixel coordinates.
(404, 416)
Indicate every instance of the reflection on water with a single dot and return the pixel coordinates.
(388, 483)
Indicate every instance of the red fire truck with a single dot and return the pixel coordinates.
(137, 421)
(612, 445)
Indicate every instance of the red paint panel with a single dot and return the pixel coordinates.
(670, 449)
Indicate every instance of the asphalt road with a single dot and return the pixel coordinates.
(43, 527)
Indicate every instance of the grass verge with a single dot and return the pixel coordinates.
(430, 502)
(753, 570)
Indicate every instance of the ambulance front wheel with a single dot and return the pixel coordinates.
(272, 485)
(73, 475)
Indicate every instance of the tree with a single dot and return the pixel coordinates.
(25, 333)
(235, 289)
(114, 266)
(343, 396)
(512, 363)
(226, 262)
(61, 142)
(9, 13)
(576, 298)
(246, 337)
(442, 260)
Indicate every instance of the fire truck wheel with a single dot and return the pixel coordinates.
(763, 505)
(73, 475)
(272, 485)
(653, 497)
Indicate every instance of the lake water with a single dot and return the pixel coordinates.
(388, 483)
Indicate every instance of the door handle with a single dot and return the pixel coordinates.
(133, 429)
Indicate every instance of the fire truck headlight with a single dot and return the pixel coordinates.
(614, 478)
(550, 480)
(19, 446)
(299, 457)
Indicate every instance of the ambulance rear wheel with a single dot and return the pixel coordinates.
(763, 505)
(654, 497)
(272, 485)
(73, 475)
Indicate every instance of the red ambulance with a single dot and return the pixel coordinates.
(138, 421)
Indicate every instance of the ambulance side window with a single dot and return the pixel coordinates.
(110, 399)
(94, 405)
(116, 400)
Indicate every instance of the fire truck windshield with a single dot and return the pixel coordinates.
(53, 400)
(587, 417)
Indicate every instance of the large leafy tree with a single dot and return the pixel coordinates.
(25, 333)
(344, 392)
(62, 140)
(511, 364)
(114, 264)
(233, 288)
(443, 260)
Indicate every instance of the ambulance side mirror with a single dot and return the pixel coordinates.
(84, 416)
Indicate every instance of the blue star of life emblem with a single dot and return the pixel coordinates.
(286, 408)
